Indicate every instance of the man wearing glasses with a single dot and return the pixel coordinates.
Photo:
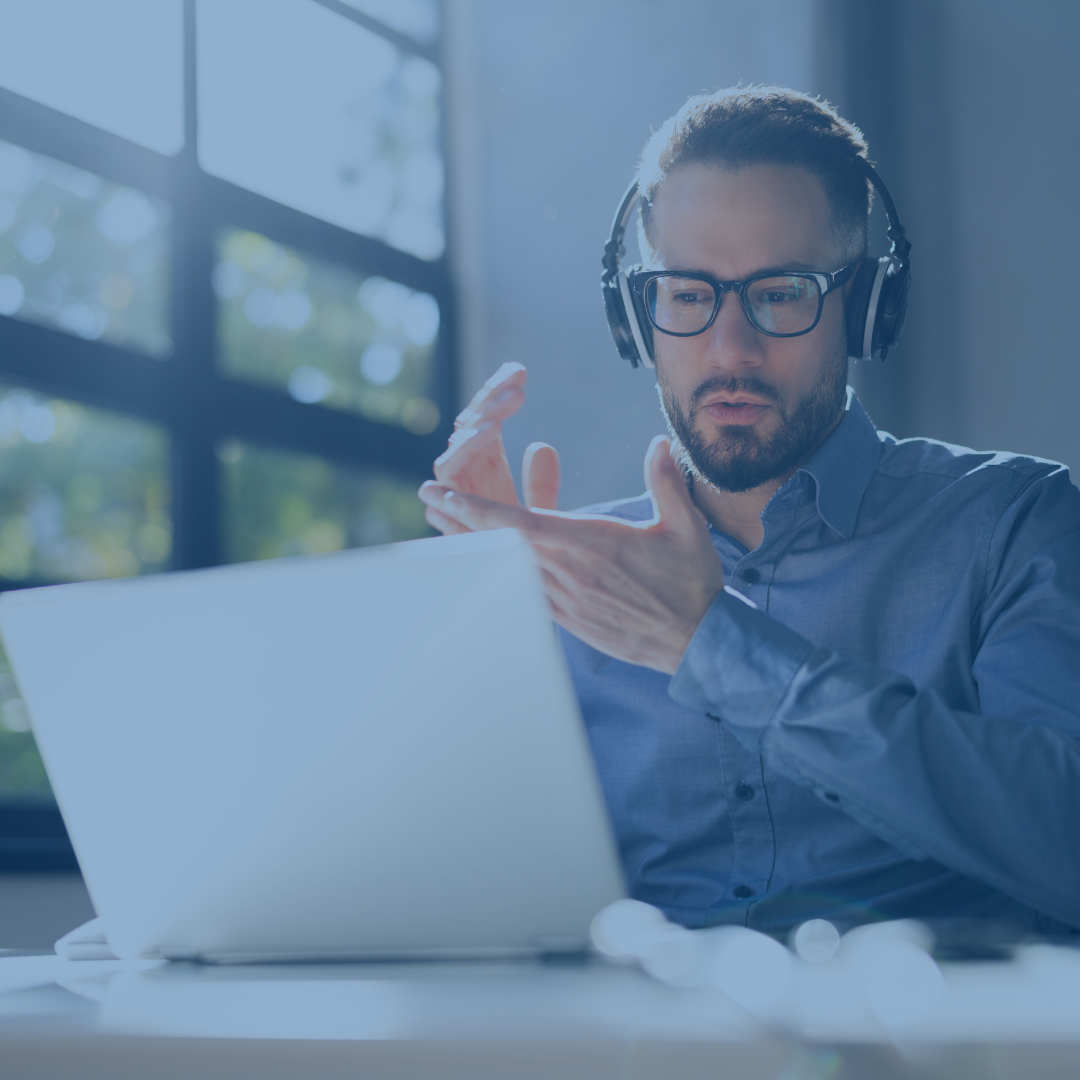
(824, 673)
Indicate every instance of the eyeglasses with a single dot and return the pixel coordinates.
(786, 303)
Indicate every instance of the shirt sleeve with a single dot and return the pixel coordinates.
(996, 794)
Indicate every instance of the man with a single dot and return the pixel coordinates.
(878, 715)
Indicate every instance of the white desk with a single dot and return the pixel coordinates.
(109, 1019)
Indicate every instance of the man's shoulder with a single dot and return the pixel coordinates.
(905, 459)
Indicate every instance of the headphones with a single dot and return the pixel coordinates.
(875, 308)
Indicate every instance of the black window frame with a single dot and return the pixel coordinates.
(187, 394)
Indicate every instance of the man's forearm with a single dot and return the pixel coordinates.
(993, 797)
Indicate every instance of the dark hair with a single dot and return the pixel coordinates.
(766, 125)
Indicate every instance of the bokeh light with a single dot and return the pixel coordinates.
(83, 492)
(82, 254)
(901, 980)
(326, 333)
(816, 941)
(751, 968)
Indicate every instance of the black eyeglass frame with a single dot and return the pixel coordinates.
(827, 283)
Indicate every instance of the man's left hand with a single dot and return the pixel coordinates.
(633, 590)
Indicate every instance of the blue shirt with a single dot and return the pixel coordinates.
(882, 721)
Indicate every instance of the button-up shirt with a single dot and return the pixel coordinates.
(878, 717)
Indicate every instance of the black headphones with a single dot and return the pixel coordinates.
(876, 305)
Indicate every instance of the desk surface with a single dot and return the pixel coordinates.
(104, 1018)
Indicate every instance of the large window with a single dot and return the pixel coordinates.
(225, 309)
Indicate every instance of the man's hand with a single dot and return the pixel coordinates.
(474, 462)
(634, 590)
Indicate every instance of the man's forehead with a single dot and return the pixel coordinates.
(733, 223)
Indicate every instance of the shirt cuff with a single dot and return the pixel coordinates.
(737, 666)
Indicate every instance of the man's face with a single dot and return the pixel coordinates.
(748, 408)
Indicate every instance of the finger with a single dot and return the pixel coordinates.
(475, 461)
(466, 444)
(447, 526)
(501, 396)
(497, 406)
(540, 476)
(475, 512)
(668, 486)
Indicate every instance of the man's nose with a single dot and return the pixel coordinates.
(732, 342)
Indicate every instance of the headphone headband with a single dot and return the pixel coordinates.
(615, 249)
(875, 309)
(901, 246)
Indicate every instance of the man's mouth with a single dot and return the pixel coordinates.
(737, 411)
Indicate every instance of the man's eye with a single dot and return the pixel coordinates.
(778, 296)
(689, 298)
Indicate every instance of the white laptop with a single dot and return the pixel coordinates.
(369, 754)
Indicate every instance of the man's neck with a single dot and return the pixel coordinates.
(737, 513)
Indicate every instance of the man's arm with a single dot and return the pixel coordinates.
(993, 795)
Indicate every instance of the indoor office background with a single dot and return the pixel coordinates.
(255, 253)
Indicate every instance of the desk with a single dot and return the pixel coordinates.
(91, 1019)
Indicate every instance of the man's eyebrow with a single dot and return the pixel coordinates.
(779, 268)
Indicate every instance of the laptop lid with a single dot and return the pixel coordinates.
(371, 753)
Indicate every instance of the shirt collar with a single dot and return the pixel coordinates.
(842, 467)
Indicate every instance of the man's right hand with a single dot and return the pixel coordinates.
(475, 460)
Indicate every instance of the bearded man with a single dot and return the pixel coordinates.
(825, 673)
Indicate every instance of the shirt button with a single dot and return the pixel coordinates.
(832, 796)
(743, 891)
(744, 792)
(751, 575)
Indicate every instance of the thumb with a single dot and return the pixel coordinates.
(540, 477)
(668, 486)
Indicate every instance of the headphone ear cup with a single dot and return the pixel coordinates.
(618, 324)
(891, 309)
(857, 308)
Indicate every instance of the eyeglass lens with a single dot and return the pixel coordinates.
(787, 304)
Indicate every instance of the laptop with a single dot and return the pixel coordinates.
(369, 754)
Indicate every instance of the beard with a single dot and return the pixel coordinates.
(737, 459)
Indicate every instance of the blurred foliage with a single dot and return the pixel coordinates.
(326, 333)
(81, 254)
(393, 166)
(83, 492)
(279, 503)
(21, 773)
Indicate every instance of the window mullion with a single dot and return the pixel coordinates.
(194, 466)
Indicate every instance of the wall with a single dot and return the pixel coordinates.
(550, 106)
(972, 108)
(1016, 97)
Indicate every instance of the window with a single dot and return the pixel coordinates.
(225, 306)
(81, 254)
